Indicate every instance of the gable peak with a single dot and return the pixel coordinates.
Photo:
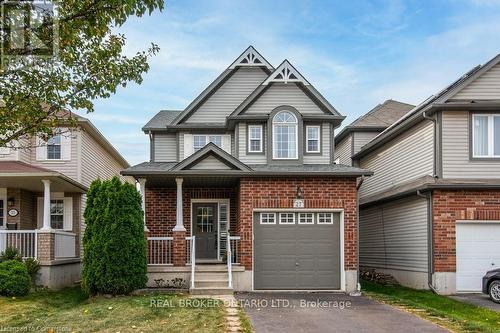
(285, 73)
(251, 58)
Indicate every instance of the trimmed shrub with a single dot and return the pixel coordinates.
(114, 246)
(10, 253)
(14, 278)
(33, 266)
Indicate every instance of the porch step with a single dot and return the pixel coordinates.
(211, 268)
(203, 283)
(205, 275)
(211, 291)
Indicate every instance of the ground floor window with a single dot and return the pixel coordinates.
(57, 214)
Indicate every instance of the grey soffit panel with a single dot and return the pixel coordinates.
(298, 256)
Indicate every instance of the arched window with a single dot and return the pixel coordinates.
(285, 134)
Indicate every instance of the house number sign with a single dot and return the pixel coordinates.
(298, 203)
(13, 212)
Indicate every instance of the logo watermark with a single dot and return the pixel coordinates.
(29, 29)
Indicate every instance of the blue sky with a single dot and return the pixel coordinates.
(356, 53)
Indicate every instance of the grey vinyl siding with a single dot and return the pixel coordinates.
(180, 144)
(456, 150)
(394, 235)
(405, 158)
(343, 151)
(242, 146)
(487, 86)
(96, 162)
(284, 94)
(165, 147)
(67, 167)
(223, 102)
(361, 139)
(324, 157)
(210, 163)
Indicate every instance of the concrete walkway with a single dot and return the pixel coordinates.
(327, 312)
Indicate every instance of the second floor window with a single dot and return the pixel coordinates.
(255, 138)
(285, 131)
(486, 135)
(312, 144)
(200, 141)
(54, 148)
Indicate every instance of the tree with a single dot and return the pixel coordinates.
(114, 259)
(89, 64)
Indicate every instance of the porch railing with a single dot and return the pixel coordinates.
(234, 242)
(191, 255)
(64, 244)
(25, 241)
(160, 250)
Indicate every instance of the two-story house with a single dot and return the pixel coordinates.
(430, 215)
(42, 196)
(354, 136)
(244, 174)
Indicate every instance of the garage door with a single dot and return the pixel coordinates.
(478, 251)
(295, 250)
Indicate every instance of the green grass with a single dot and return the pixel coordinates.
(71, 311)
(447, 312)
(246, 326)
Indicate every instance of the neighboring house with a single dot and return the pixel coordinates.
(354, 136)
(42, 196)
(245, 172)
(430, 215)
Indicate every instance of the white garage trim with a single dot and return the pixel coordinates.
(316, 210)
(478, 221)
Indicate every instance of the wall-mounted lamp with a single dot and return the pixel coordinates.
(11, 202)
(300, 193)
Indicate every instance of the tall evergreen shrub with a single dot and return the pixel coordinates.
(114, 245)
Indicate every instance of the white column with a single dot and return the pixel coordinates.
(179, 225)
(46, 204)
(142, 187)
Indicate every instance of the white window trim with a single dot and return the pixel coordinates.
(273, 124)
(250, 139)
(306, 223)
(327, 214)
(268, 214)
(287, 213)
(491, 137)
(318, 139)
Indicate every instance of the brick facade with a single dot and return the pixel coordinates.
(326, 192)
(252, 193)
(450, 206)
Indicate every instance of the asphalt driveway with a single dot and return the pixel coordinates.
(481, 300)
(327, 312)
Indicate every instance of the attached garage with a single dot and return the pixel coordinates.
(478, 251)
(298, 250)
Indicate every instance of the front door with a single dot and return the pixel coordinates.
(205, 230)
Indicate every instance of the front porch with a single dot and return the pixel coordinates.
(40, 216)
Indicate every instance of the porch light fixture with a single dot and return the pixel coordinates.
(11, 202)
(300, 193)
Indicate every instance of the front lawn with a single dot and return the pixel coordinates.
(70, 311)
(447, 312)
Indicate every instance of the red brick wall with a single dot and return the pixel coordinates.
(161, 207)
(450, 206)
(280, 193)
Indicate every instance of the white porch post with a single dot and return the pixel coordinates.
(46, 204)
(179, 225)
(142, 186)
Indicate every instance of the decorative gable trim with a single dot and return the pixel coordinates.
(250, 57)
(211, 150)
(286, 73)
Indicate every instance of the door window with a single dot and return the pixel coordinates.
(205, 219)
